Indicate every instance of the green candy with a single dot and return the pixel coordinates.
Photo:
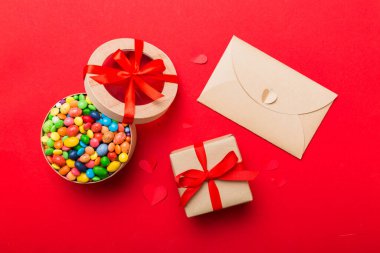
(96, 179)
(49, 151)
(86, 111)
(100, 172)
(75, 97)
(65, 155)
(82, 104)
(50, 142)
(92, 107)
(84, 138)
(65, 137)
(53, 129)
(77, 147)
(59, 124)
(81, 97)
(50, 117)
(47, 126)
(105, 161)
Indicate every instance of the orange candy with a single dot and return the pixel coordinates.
(117, 149)
(97, 161)
(62, 131)
(58, 144)
(73, 103)
(89, 150)
(61, 116)
(64, 170)
(111, 147)
(125, 147)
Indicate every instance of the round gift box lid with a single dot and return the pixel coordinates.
(114, 108)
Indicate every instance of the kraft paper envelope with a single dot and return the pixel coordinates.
(267, 97)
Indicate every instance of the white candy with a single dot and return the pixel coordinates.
(58, 105)
(55, 119)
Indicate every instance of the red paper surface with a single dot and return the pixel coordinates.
(331, 199)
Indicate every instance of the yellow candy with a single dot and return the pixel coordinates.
(71, 142)
(55, 166)
(90, 134)
(57, 152)
(55, 136)
(70, 176)
(69, 99)
(113, 166)
(78, 121)
(44, 139)
(65, 108)
(83, 178)
(54, 111)
(88, 100)
(123, 157)
(81, 129)
(94, 156)
(70, 163)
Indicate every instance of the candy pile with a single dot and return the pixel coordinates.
(82, 144)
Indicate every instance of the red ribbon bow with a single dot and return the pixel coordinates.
(132, 74)
(227, 169)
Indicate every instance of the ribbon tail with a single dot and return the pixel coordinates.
(129, 103)
(139, 47)
(188, 194)
(147, 89)
(214, 195)
(165, 78)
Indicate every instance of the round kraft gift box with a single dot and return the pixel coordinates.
(81, 144)
(114, 108)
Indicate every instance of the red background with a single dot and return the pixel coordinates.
(327, 202)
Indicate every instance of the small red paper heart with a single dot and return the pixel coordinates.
(186, 125)
(148, 165)
(199, 59)
(272, 165)
(154, 194)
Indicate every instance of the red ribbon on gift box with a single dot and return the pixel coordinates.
(132, 74)
(228, 169)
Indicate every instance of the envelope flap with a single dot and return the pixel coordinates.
(275, 85)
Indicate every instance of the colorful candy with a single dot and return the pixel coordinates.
(81, 143)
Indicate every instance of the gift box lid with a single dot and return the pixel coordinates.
(133, 73)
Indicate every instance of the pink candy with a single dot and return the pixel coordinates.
(68, 121)
(94, 142)
(75, 171)
(90, 164)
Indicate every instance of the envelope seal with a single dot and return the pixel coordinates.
(268, 96)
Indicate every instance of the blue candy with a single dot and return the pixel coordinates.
(106, 121)
(73, 155)
(80, 152)
(95, 115)
(90, 173)
(80, 166)
(102, 149)
(84, 145)
(113, 127)
(127, 130)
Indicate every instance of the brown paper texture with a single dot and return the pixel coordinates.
(267, 97)
(231, 193)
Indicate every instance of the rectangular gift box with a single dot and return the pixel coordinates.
(231, 192)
